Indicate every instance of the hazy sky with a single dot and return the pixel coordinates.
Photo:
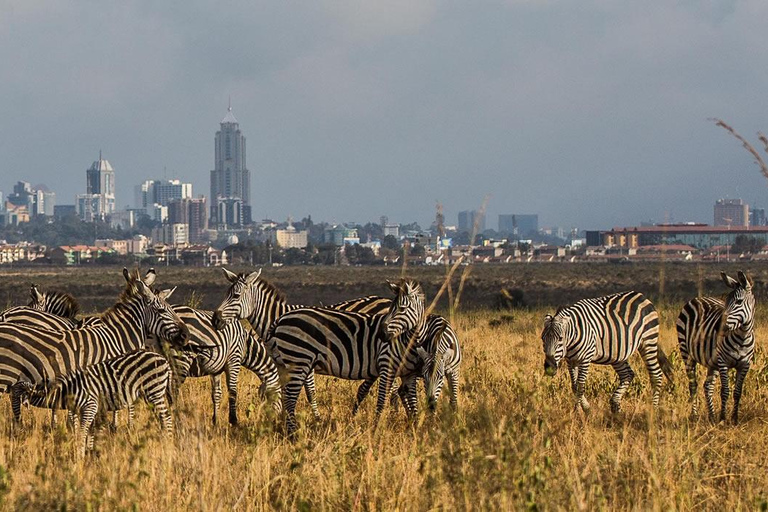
(591, 113)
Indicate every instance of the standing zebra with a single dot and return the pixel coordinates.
(38, 356)
(110, 385)
(719, 335)
(262, 304)
(605, 330)
(259, 302)
(55, 303)
(347, 345)
(226, 350)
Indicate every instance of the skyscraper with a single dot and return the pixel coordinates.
(99, 199)
(230, 178)
(731, 212)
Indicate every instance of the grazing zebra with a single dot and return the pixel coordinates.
(348, 345)
(38, 356)
(259, 302)
(605, 330)
(719, 335)
(110, 385)
(226, 350)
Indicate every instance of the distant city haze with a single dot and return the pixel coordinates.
(588, 114)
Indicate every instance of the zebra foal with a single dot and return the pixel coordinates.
(110, 385)
(719, 335)
(605, 330)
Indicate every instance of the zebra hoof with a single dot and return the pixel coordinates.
(615, 407)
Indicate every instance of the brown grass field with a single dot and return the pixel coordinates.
(516, 442)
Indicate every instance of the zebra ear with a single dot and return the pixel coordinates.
(149, 277)
(252, 277)
(395, 287)
(547, 320)
(422, 353)
(166, 294)
(126, 274)
(744, 280)
(37, 297)
(728, 280)
(231, 276)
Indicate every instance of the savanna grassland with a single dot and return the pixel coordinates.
(515, 443)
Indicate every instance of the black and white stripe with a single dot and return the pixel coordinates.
(225, 351)
(347, 345)
(258, 301)
(719, 335)
(605, 330)
(110, 385)
(56, 303)
(38, 356)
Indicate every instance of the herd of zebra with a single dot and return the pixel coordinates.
(51, 357)
(144, 347)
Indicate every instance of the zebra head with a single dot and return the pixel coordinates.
(433, 373)
(159, 318)
(740, 303)
(407, 309)
(553, 337)
(36, 299)
(242, 298)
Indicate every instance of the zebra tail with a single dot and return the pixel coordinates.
(666, 367)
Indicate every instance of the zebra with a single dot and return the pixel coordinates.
(37, 355)
(110, 385)
(49, 310)
(719, 335)
(257, 300)
(348, 345)
(56, 303)
(261, 303)
(225, 350)
(605, 330)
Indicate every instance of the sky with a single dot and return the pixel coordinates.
(591, 113)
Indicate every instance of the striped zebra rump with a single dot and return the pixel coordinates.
(699, 326)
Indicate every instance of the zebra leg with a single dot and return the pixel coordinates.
(311, 391)
(131, 415)
(573, 371)
(385, 386)
(215, 395)
(16, 407)
(232, 372)
(161, 406)
(709, 391)
(362, 392)
(291, 392)
(649, 350)
(725, 390)
(626, 375)
(741, 374)
(87, 415)
(410, 399)
(453, 387)
(693, 386)
(580, 384)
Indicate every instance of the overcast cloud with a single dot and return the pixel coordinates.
(591, 113)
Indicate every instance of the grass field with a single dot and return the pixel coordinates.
(516, 443)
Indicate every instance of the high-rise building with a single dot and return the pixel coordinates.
(99, 199)
(757, 216)
(230, 178)
(193, 212)
(731, 212)
(519, 225)
(161, 192)
(38, 200)
(471, 219)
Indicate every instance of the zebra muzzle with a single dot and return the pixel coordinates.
(550, 366)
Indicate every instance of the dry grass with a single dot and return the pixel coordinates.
(516, 443)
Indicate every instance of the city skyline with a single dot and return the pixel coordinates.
(591, 116)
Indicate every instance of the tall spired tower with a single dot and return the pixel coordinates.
(230, 179)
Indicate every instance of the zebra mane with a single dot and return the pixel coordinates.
(66, 305)
(269, 288)
(127, 297)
